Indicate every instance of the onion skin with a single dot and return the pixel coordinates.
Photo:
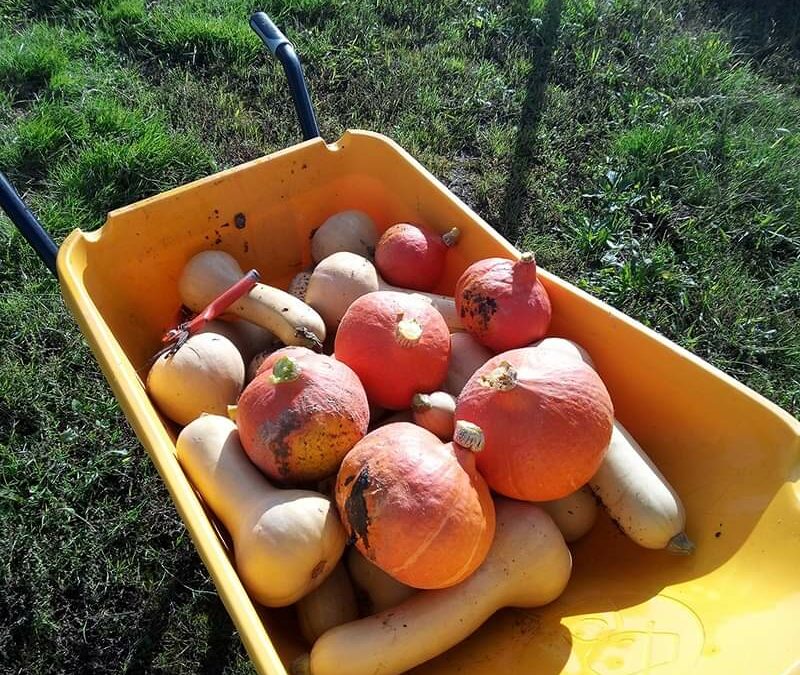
(435, 413)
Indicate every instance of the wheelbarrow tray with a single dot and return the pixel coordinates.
(732, 607)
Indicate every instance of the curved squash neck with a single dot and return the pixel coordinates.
(229, 481)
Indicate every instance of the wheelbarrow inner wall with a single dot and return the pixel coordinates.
(730, 454)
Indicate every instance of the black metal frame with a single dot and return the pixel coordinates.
(281, 48)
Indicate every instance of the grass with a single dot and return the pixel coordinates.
(647, 151)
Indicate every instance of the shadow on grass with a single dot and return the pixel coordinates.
(543, 44)
(765, 25)
(221, 635)
(221, 638)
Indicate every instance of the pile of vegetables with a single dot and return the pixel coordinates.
(397, 463)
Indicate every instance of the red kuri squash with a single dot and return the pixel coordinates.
(412, 256)
(416, 507)
(300, 415)
(397, 344)
(546, 419)
(502, 302)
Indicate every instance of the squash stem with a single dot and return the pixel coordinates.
(502, 378)
(681, 544)
(408, 332)
(286, 369)
(469, 436)
(450, 238)
(421, 402)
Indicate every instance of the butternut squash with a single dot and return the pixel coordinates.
(574, 514)
(565, 347)
(343, 277)
(248, 338)
(210, 273)
(639, 498)
(286, 542)
(299, 284)
(630, 486)
(205, 375)
(466, 356)
(350, 230)
(378, 590)
(330, 604)
(528, 566)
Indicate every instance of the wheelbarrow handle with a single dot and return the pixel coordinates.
(27, 223)
(283, 50)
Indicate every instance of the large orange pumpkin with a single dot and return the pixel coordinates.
(416, 507)
(397, 344)
(546, 419)
(300, 415)
(502, 302)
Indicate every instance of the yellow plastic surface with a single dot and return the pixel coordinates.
(733, 607)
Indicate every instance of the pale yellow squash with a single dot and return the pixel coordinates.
(205, 375)
(210, 273)
(286, 542)
(632, 489)
(528, 566)
(330, 604)
(574, 514)
(342, 278)
(378, 590)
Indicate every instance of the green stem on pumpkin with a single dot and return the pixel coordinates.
(286, 369)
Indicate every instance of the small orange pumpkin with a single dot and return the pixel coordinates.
(416, 507)
(412, 256)
(300, 415)
(546, 418)
(502, 302)
(397, 344)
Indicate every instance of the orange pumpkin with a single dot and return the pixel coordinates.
(412, 256)
(300, 415)
(397, 344)
(502, 302)
(416, 507)
(546, 419)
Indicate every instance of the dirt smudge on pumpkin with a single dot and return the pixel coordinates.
(478, 306)
(276, 435)
(355, 507)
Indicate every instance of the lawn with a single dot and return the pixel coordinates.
(649, 152)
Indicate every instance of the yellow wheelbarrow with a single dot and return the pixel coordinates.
(732, 607)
